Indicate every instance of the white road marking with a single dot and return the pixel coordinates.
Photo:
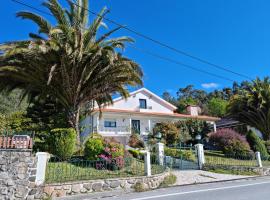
(203, 190)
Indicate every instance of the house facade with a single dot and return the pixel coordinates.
(139, 113)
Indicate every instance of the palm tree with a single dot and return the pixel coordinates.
(252, 106)
(69, 61)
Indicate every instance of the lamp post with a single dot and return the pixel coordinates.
(198, 137)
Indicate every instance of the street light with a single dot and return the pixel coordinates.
(198, 137)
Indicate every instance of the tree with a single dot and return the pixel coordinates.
(169, 132)
(252, 106)
(194, 127)
(217, 107)
(68, 60)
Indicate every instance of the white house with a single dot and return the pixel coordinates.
(138, 113)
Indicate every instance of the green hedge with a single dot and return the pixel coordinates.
(136, 153)
(62, 142)
(257, 144)
(185, 154)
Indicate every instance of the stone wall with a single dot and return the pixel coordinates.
(262, 171)
(83, 187)
(17, 174)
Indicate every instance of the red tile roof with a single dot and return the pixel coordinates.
(174, 115)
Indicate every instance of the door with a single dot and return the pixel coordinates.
(136, 126)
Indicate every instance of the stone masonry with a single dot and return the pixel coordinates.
(83, 187)
(17, 174)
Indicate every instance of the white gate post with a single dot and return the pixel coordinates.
(42, 159)
(200, 155)
(258, 158)
(147, 163)
(160, 153)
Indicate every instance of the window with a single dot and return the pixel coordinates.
(143, 103)
(109, 123)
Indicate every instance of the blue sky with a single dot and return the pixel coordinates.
(233, 34)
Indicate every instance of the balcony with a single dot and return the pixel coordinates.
(119, 130)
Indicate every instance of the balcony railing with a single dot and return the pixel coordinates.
(118, 129)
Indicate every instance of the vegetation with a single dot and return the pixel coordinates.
(234, 172)
(217, 107)
(168, 180)
(252, 106)
(93, 147)
(193, 127)
(62, 142)
(256, 144)
(169, 132)
(136, 153)
(230, 142)
(184, 154)
(68, 61)
(90, 170)
(135, 141)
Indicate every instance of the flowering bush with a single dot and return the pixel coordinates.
(113, 155)
(230, 142)
(93, 147)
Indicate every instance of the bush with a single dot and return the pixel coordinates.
(93, 147)
(169, 132)
(168, 180)
(184, 154)
(135, 141)
(62, 142)
(267, 145)
(256, 144)
(230, 142)
(136, 153)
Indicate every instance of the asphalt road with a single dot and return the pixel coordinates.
(255, 188)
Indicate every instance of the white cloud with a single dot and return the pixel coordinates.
(209, 85)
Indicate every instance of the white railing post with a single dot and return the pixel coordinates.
(160, 153)
(258, 158)
(42, 159)
(200, 155)
(147, 163)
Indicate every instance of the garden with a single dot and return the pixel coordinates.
(98, 158)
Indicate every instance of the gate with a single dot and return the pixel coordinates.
(184, 158)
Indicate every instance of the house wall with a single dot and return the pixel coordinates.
(132, 103)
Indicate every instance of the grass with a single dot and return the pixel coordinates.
(85, 170)
(218, 158)
(234, 172)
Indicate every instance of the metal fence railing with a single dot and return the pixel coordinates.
(79, 169)
(218, 159)
(16, 142)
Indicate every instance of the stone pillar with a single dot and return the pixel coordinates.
(42, 159)
(160, 153)
(200, 155)
(258, 158)
(147, 163)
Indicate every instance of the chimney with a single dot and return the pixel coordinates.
(193, 110)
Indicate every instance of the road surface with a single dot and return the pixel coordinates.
(255, 188)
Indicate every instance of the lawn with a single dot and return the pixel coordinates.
(218, 158)
(234, 172)
(86, 170)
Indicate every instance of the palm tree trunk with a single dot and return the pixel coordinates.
(74, 121)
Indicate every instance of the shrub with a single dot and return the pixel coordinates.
(256, 144)
(113, 155)
(136, 153)
(184, 154)
(168, 180)
(135, 141)
(169, 132)
(93, 147)
(230, 142)
(267, 145)
(140, 187)
(62, 142)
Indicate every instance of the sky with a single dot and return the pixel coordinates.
(232, 34)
